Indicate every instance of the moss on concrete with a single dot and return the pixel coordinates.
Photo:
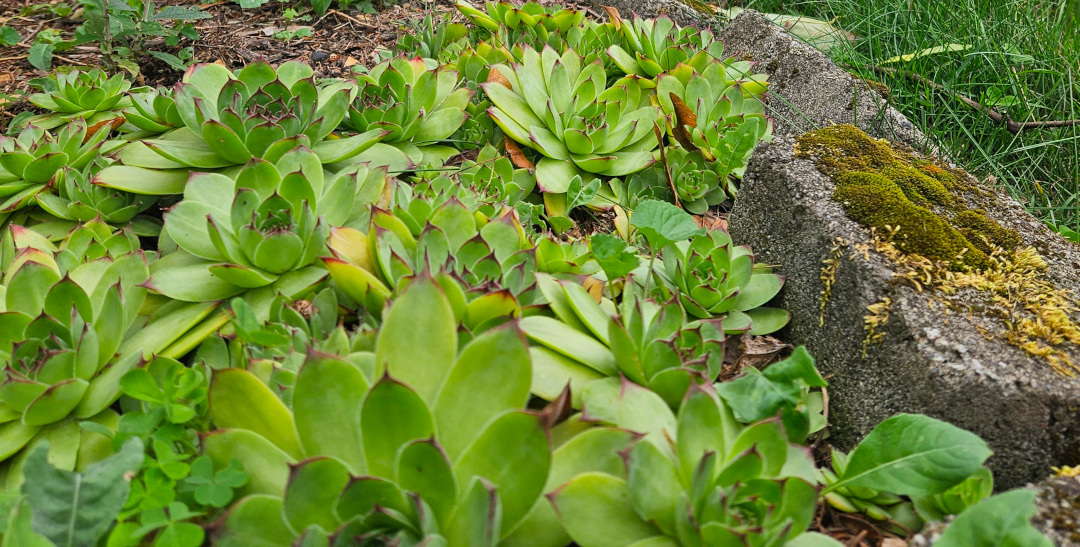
(886, 188)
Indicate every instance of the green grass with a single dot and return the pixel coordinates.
(1026, 49)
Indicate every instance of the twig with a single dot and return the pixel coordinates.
(350, 18)
(1013, 126)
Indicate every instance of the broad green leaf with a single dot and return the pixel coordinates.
(654, 484)
(424, 468)
(705, 424)
(1003, 520)
(914, 455)
(599, 449)
(185, 277)
(313, 488)
(418, 340)
(663, 223)
(570, 342)
(596, 511)
(492, 375)
(392, 415)
(610, 252)
(255, 521)
(239, 400)
(552, 372)
(326, 406)
(514, 454)
(78, 508)
(267, 465)
(477, 520)
(138, 180)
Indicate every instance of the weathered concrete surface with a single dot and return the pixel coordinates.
(807, 90)
(927, 362)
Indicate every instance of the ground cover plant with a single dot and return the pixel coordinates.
(445, 301)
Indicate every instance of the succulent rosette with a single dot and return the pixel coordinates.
(418, 107)
(74, 197)
(30, 161)
(503, 14)
(91, 95)
(439, 450)
(65, 314)
(566, 111)
(716, 109)
(696, 181)
(258, 113)
(713, 277)
(269, 221)
(652, 46)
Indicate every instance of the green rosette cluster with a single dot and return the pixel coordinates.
(247, 231)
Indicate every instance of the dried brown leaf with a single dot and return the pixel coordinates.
(516, 155)
(684, 117)
(613, 14)
(496, 77)
(110, 123)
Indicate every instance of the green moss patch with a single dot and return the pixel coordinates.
(883, 187)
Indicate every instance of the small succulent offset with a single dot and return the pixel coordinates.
(65, 314)
(569, 114)
(29, 161)
(79, 94)
(487, 261)
(659, 45)
(269, 221)
(647, 343)
(436, 446)
(412, 104)
(716, 111)
(259, 113)
(695, 179)
(713, 277)
(76, 198)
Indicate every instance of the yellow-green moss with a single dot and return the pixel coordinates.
(881, 186)
(984, 233)
(876, 200)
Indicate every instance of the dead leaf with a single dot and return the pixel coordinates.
(711, 221)
(594, 287)
(112, 123)
(219, 62)
(750, 351)
(5, 78)
(516, 155)
(893, 542)
(496, 77)
(350, 61)
(613, 14)
(684, 117)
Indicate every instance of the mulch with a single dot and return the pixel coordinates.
(231, 36)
